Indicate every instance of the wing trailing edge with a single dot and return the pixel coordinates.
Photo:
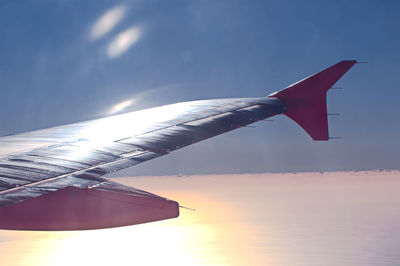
(305, 101)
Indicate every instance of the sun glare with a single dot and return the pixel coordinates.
(191, 239)
(131, 124)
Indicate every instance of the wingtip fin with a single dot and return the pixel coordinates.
(306, 100)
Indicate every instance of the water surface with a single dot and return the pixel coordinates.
(337, 218)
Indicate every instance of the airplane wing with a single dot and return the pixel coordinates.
(50, 179)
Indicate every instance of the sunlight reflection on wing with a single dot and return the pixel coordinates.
(133, 123)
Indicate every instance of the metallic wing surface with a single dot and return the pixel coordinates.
(51, 179)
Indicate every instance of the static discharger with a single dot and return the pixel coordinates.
(187, 208)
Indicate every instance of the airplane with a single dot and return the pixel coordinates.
(50, 179)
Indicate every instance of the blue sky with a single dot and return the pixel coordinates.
(67, 61)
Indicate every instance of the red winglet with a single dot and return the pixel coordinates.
(306, 100)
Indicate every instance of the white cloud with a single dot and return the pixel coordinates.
(121, 43)
(107, 22)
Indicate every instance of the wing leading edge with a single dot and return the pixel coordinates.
(51, 179)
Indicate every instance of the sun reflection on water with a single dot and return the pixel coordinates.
(262, 219)
(194, 238)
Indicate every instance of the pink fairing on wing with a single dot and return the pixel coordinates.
(74, 208)
(306, 100)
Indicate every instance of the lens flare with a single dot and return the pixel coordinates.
(120, 107)
(107, 22)
(123, 41)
